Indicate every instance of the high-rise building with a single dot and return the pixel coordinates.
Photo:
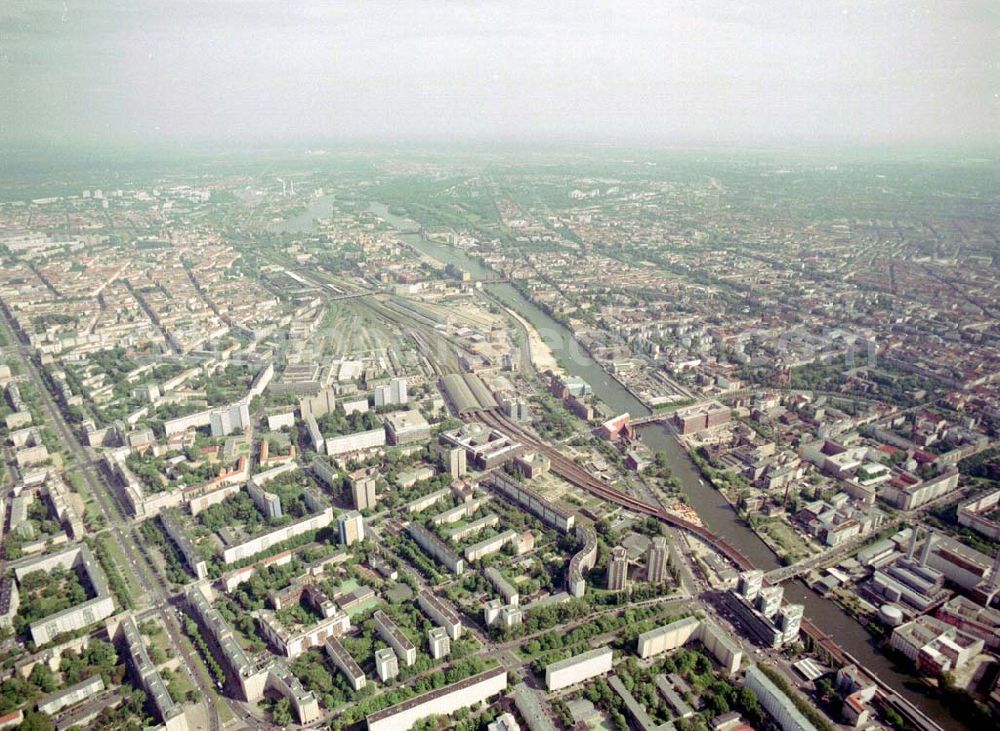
(439, 642)
(352, 527)
(750, 583)
(386, 664)
(397, 391)
(455, 461)
(363, 492)
(618, 569)
(769, 600)
(657, 560)
(394, 393)
(383, 396)
(790, 622)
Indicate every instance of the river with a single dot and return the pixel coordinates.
(714, 511)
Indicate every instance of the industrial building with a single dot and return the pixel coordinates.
(935, 646)
(703, 416)
(976, 514)
(484, 447)
(533, 464)
(907, 492)
(973, 619)
(467, 393)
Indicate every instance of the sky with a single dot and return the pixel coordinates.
(865, 72)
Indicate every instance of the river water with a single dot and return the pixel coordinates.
(714, 511)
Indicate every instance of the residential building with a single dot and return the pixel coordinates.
(342, 659)
(363, 490)
(658, 560)
(438, 642)
(778, 705)
(618, 569)
(352, 527)
(440, 702)
(441, 612)
(578, 668)
(393, 635)
(386, 664)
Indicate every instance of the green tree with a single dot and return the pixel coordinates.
(43, 677)
(36, 721)
(282, 713)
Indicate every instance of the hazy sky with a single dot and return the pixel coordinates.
(666, 71)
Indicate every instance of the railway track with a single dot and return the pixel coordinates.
(571, 471)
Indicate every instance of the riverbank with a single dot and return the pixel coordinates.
(539, 353)
(716, 513)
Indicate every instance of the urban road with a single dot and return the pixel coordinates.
(831, 621)
(575, 474)
(140, 566)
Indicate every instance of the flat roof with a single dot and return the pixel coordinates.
(582, 657)
(668, 628)
(439, 692)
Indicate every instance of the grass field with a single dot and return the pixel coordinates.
(784, 539)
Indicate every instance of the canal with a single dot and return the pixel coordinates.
(714, 511)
